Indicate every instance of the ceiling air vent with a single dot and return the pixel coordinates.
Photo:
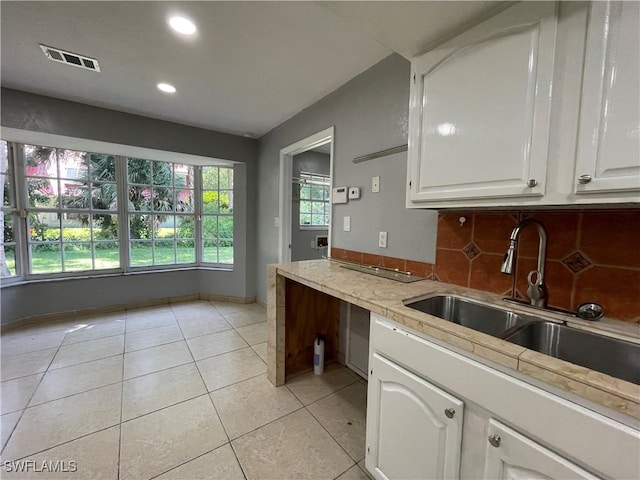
(69, 58)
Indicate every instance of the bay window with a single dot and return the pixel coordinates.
(65, 212)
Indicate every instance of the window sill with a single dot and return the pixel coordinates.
(20, 282)
(314, 227)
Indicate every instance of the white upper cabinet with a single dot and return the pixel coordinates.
(608, 155)
(537, 106)
(480, 107)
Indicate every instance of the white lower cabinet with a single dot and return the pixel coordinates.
(513, 456)
(416, 428)
(433, 412)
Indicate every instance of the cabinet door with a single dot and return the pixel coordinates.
(513, 456)
(609, 133)
(479, 109)
(409, 432)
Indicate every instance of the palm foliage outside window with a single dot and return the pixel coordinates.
(315, 204)
(72, 219)
(79, 211)
(161, 212)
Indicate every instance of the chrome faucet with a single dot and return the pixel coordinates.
(537, 289)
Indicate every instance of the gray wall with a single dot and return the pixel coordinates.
(370, 113)
(311, 162)
(27, 111)
(38, 113)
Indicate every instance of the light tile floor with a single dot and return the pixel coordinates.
(172, 392)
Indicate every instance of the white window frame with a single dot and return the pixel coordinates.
(17, 138)
(310, 178)
(218, 215)
(153, 240)
(61, 212)
(13, 210)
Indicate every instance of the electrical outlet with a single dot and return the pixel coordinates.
(375, 184)
(313, 244)
(346, 226)
(382, 239)
(276, 221)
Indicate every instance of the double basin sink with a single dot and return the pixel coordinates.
(615, 357)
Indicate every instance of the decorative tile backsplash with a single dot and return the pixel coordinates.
(591, 256)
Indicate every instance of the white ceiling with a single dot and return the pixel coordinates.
(251, 66)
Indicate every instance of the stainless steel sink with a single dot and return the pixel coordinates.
(483, 318)
(612, 356)
(609, 355)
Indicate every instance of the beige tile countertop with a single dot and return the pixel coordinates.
(387, 297)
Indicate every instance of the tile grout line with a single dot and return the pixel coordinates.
(121, 409)
(44, 373)
(193, 459)
(205, 387)
(214, 409)
(318, 420)
(86, 361)
(73, 394)
(122, 386)
(355, 462)
(67, 441)
(91, 340)
(124, 348)
(233, 449)
(324, 396)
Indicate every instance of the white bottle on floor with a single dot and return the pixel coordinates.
(318, 355)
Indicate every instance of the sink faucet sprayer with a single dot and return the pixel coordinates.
(537, 288)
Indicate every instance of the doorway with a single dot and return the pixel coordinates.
(306, 180)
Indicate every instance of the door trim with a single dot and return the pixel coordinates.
(286, 168)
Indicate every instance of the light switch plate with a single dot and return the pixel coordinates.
(382, 240)
(375, 184)
(346, 225)
(354, 193)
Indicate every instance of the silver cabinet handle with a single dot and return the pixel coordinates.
(532, 183)
(495, 440)
(449, 412)
(584, 179)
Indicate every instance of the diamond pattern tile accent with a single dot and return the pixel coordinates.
(576, 262)
(471, 250)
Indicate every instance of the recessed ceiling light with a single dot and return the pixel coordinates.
(182, 25)
(165, 87)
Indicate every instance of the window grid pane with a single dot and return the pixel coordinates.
(8, 265)
(166, 234)
(314, 200)
(217, 218)
(71, 205)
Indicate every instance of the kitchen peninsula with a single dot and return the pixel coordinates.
(440, 387)
(385, 297)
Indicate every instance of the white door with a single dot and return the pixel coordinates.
(609, 136)
(513, 456)
(479, 109)
(414, 429)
